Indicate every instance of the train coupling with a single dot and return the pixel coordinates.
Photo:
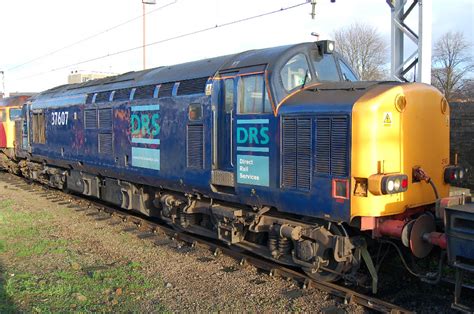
(418, 234)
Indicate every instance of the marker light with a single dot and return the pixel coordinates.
(380, 184)
(326, 46)
(330, 46)
(453, 174)
(405, 183)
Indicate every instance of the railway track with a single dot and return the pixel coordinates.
(152, 227)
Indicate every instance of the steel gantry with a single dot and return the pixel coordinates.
(420, 59)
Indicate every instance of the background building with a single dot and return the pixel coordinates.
(81, 77)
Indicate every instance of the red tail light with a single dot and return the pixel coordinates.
(453, 174)
(405, 183)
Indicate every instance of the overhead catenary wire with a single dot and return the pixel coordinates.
(89, 37)
(206, 29)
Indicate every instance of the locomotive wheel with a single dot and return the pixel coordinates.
(336, 267)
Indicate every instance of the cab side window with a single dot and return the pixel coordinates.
(38, 128)
(3, 115)
(252, 95)
(295, 72)
(347, 74)
(15, 114)
(229, 95)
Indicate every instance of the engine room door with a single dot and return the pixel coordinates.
(223, 137)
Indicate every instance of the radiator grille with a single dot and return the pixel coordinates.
(90, 118)
(105, 143)
(332, 141)
(289, 153)
(323, 146)
(296, 152)
(193, 86)
(195, 147)
(105, 118)
(303, 171)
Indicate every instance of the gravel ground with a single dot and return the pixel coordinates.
(191, 279)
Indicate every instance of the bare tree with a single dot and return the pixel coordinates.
(451, 62)
(465, 92)
(364, 48)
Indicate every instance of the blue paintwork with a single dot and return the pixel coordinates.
(156, 154)
(162, 161)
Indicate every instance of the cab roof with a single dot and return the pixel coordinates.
(180, 72)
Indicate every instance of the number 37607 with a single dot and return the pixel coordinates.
(59, 118)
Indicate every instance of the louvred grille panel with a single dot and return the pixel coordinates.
(332, 145)
(296, 152)
(195, 146)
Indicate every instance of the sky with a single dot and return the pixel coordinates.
(41, 42)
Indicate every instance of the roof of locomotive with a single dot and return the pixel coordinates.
(185, 71)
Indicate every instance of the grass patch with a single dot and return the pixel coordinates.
(25, 237)
(2, 246)
(96, 289)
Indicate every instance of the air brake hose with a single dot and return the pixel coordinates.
(421, 175)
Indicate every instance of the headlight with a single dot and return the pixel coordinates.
(390, 185)
(397, 184)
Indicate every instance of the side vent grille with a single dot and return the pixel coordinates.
(166, 90)
(289, 153)
(122, 94)
(332, 141)
(144, 92)
(105, 143)
(339, 147)
(303, 162)
(193, 86)
(296, 149)
(195, 147)
(90, 119)
(323, 145)
(105, 118)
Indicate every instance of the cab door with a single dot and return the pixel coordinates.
(223, 132)
(242, 117)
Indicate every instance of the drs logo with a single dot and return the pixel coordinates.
(252, 135)
(144, 124)
(253, 159)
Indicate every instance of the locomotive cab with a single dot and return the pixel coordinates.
(10, 112)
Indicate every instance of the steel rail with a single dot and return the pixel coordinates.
(145, 225)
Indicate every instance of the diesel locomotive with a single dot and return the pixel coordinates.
(281, 152)
(10, 111)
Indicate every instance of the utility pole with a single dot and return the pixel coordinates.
(3, 94)
(144, 3)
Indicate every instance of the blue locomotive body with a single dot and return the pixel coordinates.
(275, 151)
(209, 127)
